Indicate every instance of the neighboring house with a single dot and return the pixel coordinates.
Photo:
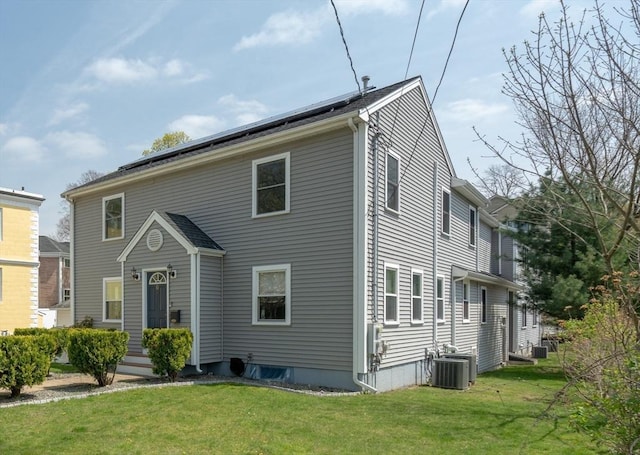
(54, 280)
(333, 245)
(19, 226)
(525, 324)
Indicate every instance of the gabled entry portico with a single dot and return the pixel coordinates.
(167, 257)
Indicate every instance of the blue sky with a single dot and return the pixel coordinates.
(90, 84)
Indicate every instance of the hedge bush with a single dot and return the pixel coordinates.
(169, 350)
(24, 361)
(97, 352)
(60, 338)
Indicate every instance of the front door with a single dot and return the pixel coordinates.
(156, 300)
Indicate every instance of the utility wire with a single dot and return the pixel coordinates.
(415, 35)
(346, 47)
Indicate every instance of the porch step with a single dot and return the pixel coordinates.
(515, 359)
(137, 364)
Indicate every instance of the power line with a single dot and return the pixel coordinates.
(415, 35)
(346, 47)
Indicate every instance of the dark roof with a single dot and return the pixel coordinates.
(48, 245)
(300, 117)
(191, 232)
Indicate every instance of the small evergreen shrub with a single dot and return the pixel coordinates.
(60, 337)
(97, 352)
(24, 361)
(169, 350)
(86, 323)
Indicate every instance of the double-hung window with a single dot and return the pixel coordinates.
(66, 263)
(473, 220)
(112, 292)
(440, 299)
(523, 310)
(271, 185)
(466, 310)
(446, 212)
(416, 295)
(534, 317)
(113, 217)
(272, 294)
(391, 294)
(483, 305)
(393, 182)
(66, 295)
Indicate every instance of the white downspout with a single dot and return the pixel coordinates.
(359, 361)
(436, 217)
(195, 295)
(72, 258)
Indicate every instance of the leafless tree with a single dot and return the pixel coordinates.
(63, 227)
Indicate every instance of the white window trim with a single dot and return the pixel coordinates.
(466, 300)
(444, 293)
(475, 227)
(287, 184)
(104, 229)
(534, 318)
(104, 300)
(388, 321)
(66, 261)
(442, 231)
(420, 319)
(484, 305)
(255, 307)
(523, 312)
(63, 294)
(386, 183)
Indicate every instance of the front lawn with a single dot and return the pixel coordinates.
(500, 414)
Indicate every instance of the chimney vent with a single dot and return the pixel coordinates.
(365, 83)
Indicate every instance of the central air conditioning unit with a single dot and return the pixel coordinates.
(450, 373)
(539, 352)
(473, 364)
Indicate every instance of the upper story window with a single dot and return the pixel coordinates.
(446, 212)
(113, 217)
(523, 311)
(112, 291)
(534, 318)
(272, 294)
(271, 185)
(440, 299)
(473, 222)
(391, 294)
(392, 196)
(466, 310)
(66, 262)
(416, 295)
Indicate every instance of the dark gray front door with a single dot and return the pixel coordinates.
(157, 300)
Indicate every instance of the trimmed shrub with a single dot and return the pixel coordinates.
(97, 352)
(169, 350)
(60, 338)
(24, 361)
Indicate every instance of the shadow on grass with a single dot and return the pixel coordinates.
(528, 373)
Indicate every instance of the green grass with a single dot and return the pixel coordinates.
(500, 414)
(62, 368)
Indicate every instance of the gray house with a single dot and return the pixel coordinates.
(332, 245)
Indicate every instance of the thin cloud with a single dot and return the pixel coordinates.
(77, 145)
(24, 148)
(534, 8)
(245, 111)
(62, 114)
(197, 126)
(118, 70)
(446, 5)
(469, 109)
(286, 28)
(389, 7)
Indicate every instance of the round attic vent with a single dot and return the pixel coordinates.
(154, 240)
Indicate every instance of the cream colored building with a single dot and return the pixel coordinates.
(19, 261)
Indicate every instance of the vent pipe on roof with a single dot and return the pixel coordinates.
(365, 84)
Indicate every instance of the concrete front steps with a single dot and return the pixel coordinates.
(137, 364)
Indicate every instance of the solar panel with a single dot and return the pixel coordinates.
(342, 99)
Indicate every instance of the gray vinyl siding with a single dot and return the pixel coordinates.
(315, 238)
(484, 248)
(466, 339)
(496, 260)
(211, 311)
(508, 258)
(146, 262)
(491, 336)
(406, 238)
